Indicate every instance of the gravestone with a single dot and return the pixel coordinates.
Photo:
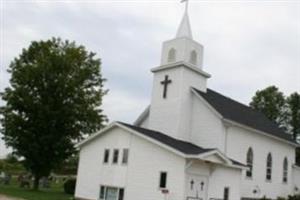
(45, 182)
(7, 179)
(24, 181)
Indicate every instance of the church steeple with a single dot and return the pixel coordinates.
(184, 29)
(184, 51)
(180, 70)
(183, 48)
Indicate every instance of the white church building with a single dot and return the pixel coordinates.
(191, 143)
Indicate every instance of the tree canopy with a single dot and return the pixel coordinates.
(54, 99)
(271, 102)
(293, 117)
(283, 110)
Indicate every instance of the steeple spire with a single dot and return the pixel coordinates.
(183, 48)
(184, 29)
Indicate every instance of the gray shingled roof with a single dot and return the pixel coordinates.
(182, 146)
(242, 114)
(179, 145)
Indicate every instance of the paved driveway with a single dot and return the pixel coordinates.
(2, 197)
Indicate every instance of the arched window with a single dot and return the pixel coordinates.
(285, 170)
(249, 162)
(269, 167)
(172, 55)
(193, 57)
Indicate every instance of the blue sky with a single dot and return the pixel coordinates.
(249, 45)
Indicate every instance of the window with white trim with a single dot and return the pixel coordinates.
(102, 192)
(111, 193)
(193, 57)
(163, 180)
(285, 170)
(121, 194)
(226, 193)
(115, 156)
(106, 156)
(125, 156)
(269, 167)
(172, 55)
(249, 162)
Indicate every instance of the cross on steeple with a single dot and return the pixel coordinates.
(184, 29)
(186, 4)
(165, 83)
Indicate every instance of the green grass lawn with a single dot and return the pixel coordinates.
(53, 193)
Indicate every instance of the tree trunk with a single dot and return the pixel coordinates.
(36, 182)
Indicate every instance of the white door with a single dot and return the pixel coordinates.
(111, 193)
(196, 187)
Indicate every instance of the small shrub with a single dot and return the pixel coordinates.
(265, 198)
(69, 186)
(294, 197)
(281, 198)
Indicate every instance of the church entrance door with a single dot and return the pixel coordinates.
(196, 187)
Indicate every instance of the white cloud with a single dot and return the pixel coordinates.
(248, 44)
(123, 106)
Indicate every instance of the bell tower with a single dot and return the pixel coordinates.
(183, 48)
(181, 69)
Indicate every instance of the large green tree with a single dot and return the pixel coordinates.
(293, 119)
(293, 114)
(54, 98)
(298, 156)
(271, 102)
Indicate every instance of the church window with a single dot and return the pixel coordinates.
(172, 55)
(226, 193)
(102, 192)
(193, 57)
(285, 170)
(111, 193)
(125, 156)
(115, 156)
(121, 194)
(106, 156)
(269, 167)
(163, 180)
(249, 172)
